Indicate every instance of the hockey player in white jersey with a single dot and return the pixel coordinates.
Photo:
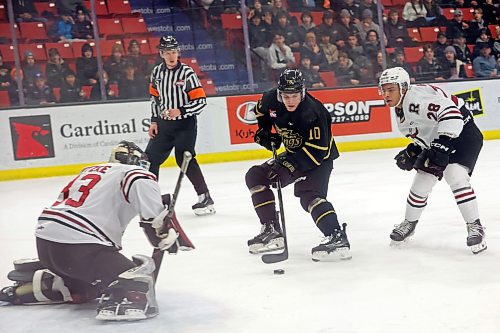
(446, 144)
(79, 238)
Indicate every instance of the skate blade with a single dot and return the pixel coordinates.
(400, 244)
(274, 245)
(335, 255)
(130, 315)
(209, 210)
(478, 248)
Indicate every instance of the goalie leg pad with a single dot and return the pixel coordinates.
(132, 296)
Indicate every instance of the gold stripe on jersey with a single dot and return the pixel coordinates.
(330, 148)
(310, 156)
(315, 146)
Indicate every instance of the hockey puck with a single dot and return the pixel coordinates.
(279, 271)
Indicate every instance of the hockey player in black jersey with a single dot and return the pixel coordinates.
(290, 115)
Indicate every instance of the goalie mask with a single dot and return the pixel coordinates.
(291, 81)
(129, 153)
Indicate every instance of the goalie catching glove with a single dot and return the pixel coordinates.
(161, 234)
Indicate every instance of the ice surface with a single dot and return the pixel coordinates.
(434, 285)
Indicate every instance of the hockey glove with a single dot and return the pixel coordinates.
(406, 158)
(436, 159)
(160, 236)
(282, 169)
(266, 139)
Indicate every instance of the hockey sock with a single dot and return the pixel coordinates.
(264, 202)
(324, 215)
(458, 178)
(419, 192)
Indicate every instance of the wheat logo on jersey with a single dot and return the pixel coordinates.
(246, 113)
(473, 101)
(272, 113)
(290, 139)
(31, 137)
(352, 111)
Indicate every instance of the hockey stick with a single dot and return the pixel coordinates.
(169, 211)
(277, 257)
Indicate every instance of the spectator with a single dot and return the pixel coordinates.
(82, 29)
(371, 45)
(306, 25)
(140, 62)
(353, 9)
(330, 50)
(115, 64)
(463, 52)
(284, 27)
(39, 93)
(367, 24)
(484, 38)
(434, 16)
(457, 26)
(372, 7)
(400, 61)
(255, 9)
(378, 66)
(260, 38)
(439, 45)
(414, 14)
(7, 83)
(366, 76)
(485, 65)
(70, 7)
(346, 72)
(132, 86)
(314, 52)
(395, 30)
(61, 30)
(280, 54)
(496, 42)
(326, 27)
(353, 49)
(30, 69)
(491, 11)
(476, 25)
(95, 93)
(56, 69)
(86, 66)
(311, 76)
(452, 67)
(343, 28)
(25, 11)
(428, 68)
(277, 7)
(71, 91)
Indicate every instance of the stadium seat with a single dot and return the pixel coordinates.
(468, 70)
(38, 51)
(57, 93)
(208, 86)
(468, 14)
(193, 63)
(65, 49)
(3, 12)
(120, 7)
(387, 3)
(87, 90)
(49, 7)
(33, 31)
(5, 30)
(413, 54)
(493, 29)
(317, 17)
(7, 52)
(114, 88)
(100, 7)
(109, 26)
(153, 44)
(107, 45)
(143, 44)
(429, 34)
(134, 25)
(328, 78)
(296, 56)
(399, 3)
(297, 16)
(414, 33)
(231, 21)
(471, 47)
(4, 98)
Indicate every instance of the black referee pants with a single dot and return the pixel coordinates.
(181, 135)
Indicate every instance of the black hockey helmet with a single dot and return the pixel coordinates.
(127, 152)
(291, 81)
(168, 43)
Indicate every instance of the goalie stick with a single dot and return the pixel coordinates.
(277, 257)
(169, 211)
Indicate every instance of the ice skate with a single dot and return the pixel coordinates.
(205, 205)
(476, 237)
(333, 247)
(269, 239)
(133, 307)
(402, 233)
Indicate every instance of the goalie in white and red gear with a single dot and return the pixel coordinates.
(446, 143)
(79, 238)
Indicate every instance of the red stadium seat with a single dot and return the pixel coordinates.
(297, 15)
(4, 98)
(414, 33)
(448, 13)
(114, 88)
(413, 54)
(87, 90)
(399, 3)
(468, 14)
(100, 7)
(119, 7)
(468, 70)
(3, 12)
(328, 78)
(46, 7)
(387, 3)
(33, 31)
(429, 34)
(231, 21)
(7, 52)
(143, 44)
(296, 56)
(493, 29)
(317, 17)
(65, 49)
(107, 45)
(208, 86)
(57, 93)
(134, 25)
(38, 51)
(193, 63)
(77, 48)
(109, 26)
(5, 30)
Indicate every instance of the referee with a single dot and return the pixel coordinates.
(176, 98)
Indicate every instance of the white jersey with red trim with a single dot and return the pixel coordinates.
(98, 204)
(428, 112)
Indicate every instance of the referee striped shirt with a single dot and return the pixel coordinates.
(176, 88)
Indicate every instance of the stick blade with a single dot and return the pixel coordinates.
(272, 258)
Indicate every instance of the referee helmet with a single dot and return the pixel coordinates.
(168, 43)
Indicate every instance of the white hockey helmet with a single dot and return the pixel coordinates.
(396, 75)
(127, 152)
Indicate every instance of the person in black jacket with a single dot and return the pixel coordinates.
(71, 91)
(40, 93)
(303, 125)
(86, 66)
(131, 85)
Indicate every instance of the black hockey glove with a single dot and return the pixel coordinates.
(282, 169)
(266, 138)
(407, 157)
(435, 159)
